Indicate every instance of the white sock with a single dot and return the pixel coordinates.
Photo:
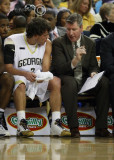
(55, 115)
(2, 110)
(20, 115)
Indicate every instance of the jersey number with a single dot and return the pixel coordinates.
(33, 69)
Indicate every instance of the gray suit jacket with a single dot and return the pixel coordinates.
(62, 55)
(61, 32)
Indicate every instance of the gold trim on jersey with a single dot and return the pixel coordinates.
(19, 82)
(32, 52)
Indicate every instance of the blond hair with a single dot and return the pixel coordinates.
(76, 6)
(105, 10)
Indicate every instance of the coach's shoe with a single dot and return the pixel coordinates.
(103, 132)
(113, 130)
(58, 130)
(75, 132)
(23, 129)
(3, 126)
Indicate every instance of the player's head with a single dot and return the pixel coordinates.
(37, 26)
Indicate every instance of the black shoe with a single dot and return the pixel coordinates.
(75, 132)
(113, 132)
(103, 132)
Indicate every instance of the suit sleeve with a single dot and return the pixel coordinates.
(107, 55)
(93, 64)
(89, 61)
(61, 63)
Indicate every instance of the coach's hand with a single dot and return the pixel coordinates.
(79, 53)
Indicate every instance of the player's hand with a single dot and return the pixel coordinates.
(30, 76)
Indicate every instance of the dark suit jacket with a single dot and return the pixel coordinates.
(62, 54)
(107, 54)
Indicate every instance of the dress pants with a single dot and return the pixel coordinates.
(111, 84)
(69, 90)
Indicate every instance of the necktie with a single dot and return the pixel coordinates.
(74, 45)
(78, 69)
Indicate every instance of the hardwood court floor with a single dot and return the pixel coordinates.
(49, 148)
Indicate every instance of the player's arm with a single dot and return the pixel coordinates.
(28, 75)
(9, 51)
(47, 57)
(1, 61)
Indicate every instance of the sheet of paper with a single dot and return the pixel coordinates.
(91, 82)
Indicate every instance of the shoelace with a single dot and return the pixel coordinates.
(23, 122)
(1, 127)
(59, 123)
(3, 123)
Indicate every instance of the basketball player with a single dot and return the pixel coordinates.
(24, 54)
(6, 88)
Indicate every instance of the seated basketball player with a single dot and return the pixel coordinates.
(6, 87)
(25, 53)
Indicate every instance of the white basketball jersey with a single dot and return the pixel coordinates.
(24, 57)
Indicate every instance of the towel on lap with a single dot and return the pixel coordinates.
(46, 76)
(33, 86)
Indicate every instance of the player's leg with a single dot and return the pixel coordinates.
(55, 103)
(6, 87)
(20, 103)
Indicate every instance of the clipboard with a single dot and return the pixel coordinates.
(91, 82)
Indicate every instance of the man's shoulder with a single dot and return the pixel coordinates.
(12, 39)
(111, 35)
(109, 38)
(17, 35)
(87, 39)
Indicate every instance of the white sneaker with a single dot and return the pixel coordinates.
(58, 130)
(23, 129)
(3, 127)
(4, 132)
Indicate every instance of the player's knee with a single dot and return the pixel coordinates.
(56, 83)
(7, 81)
(22, 87)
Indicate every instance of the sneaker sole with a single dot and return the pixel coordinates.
(102, 136)
(25, 134)
(6, 134)
(63, 134)
(2, 135)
